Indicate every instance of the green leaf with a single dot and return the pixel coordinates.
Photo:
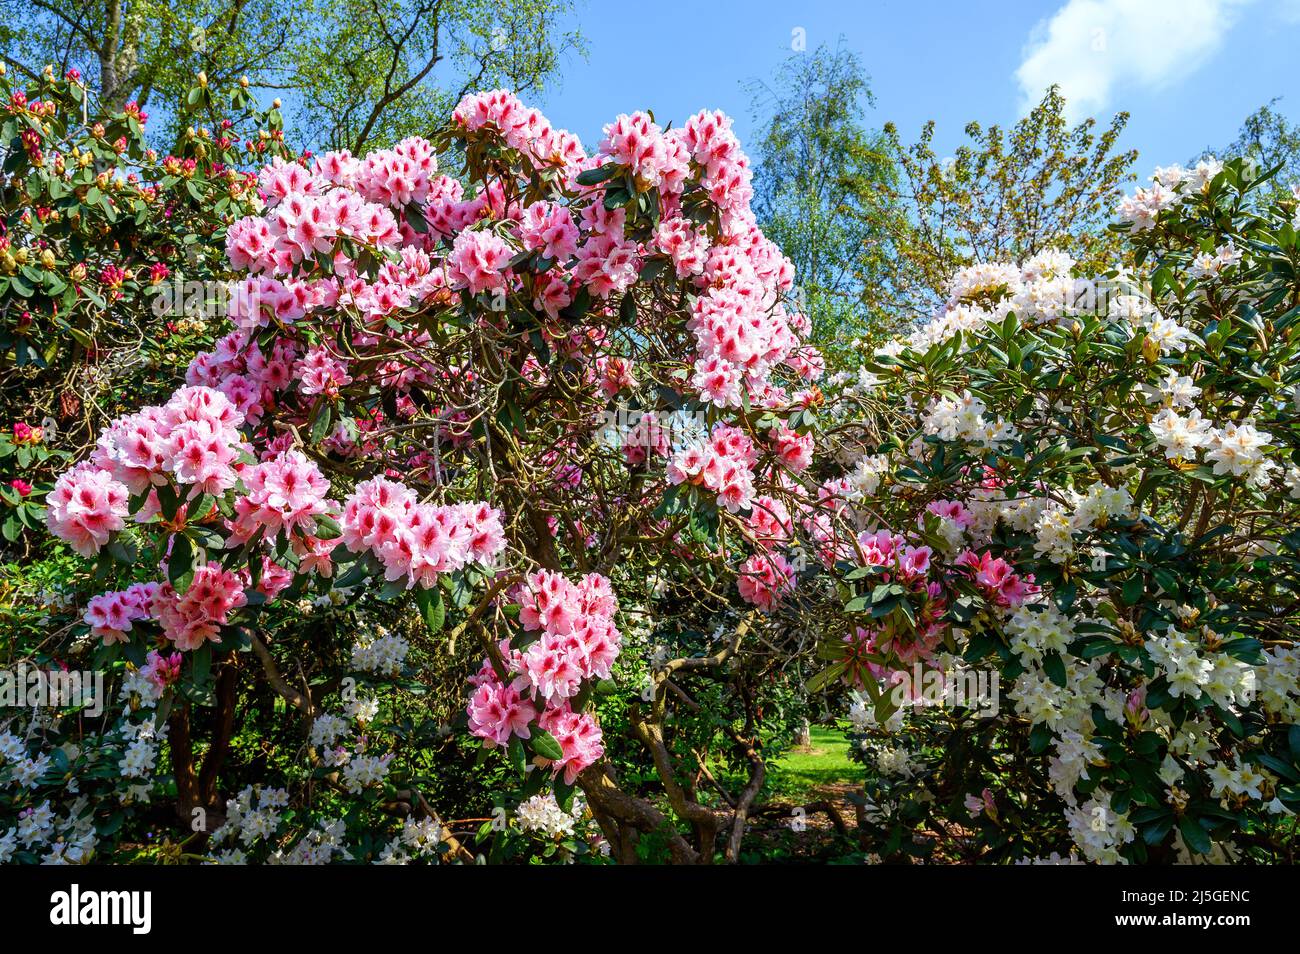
(320, 427)
(544, 744)
(180, 565)
(515, 752)
(1195, 836)
(598, 175)
(1054, 666)
(433, 608)
(825, 677)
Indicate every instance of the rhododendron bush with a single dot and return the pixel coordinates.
(1104, 472)
(560, 405)
(110, 261)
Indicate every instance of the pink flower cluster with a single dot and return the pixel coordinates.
(110, 615)
(722, 464)
(741, 334)
(194, 439)
(284, 494)
(161, 670)
(608, 261)
(656, 160)
(239, 369)
(523, 129)
(319, 372)
(86, 506)
(580, 738)
(996, 578)
(765, 579)
(188, 619)
(795, 450)
(478, 261)
(306, 216)
(891, 551)
(498, 711)
(414, 540)
(196, 616)
(548, 228)
(770, 523)
(578, 642)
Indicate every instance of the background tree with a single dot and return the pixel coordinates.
(1003, 196)
(822, 185)
(352, 73)
(378, 72)
(1270, 139)
(146, 50)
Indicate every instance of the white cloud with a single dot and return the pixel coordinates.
(1091, 48)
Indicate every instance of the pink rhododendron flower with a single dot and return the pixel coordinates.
(86, 507)
(196, 616)
(110, 615)
(764, 579)
(497, 712)
(478, 261)
(580, 740)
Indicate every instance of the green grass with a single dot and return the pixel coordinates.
(825, 762)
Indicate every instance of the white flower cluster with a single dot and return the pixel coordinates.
(1172, 185)
(1245, 779)
(1226, 680)
(1164, 334)
(1236, 449)
(1099, 830)
(1036, 631)
(1056, 527)
(320, 846)
(23, 772)
(142, 748)
(252, 816)
(987, 280)
(1212, 264)
(1277, 683)
(64, 840)
(139, 690)
(1039, 699)
(965, 418)
(365, 771)
(1041, 291)
(380, 652)
(894, 761)
(862, 716)
(418, 839)
(866, 476)
(542, 814)
(1176, 390)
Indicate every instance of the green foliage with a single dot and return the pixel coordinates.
(1002, 197)
(111, 258)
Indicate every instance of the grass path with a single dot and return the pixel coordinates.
(823, 767)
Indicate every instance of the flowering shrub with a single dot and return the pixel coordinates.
(110, 266)
(393, 325)
(1105, 475)
(563, 407)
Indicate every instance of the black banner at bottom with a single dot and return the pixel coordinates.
(139, 905)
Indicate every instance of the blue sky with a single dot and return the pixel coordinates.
(1187, 70)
